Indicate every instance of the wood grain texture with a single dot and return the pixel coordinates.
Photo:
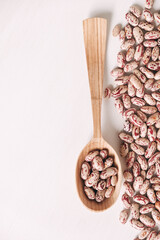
(94, 31)
(95, 47)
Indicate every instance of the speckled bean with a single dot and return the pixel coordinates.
(139, 52)
(146, 209)
(119, 105)
(89, 157)
(130, 158)
(129, 112)
(149, 99)
(124, 216)
(147, 221)
(103, 153)
(148, 16)
(156, 86)
(121, 59)
(135, 82)
(135, 210)
(136, 120)
(153, 119)
(157, 206)
(137, 149)
(157, 76)
(138, 101)
(130, 54)
(140, 75)
(116, 30)
(97, 163)
(118, 91)
(150, 172)
(130, 66)
(136, 11)
(146, 26)
(143, 162)
(135, 132)
(126, 137)
(126, 201)
(111, 171)
(157, 17)
(149, 4)
(144, 187)
(154, 158)
(158, 168)
(151, 195)
(138, 34)
(150, 43)
(156, 216)
(117, 72)
(142, 116)
(122, 36)
(85, 170)
(131, 90)
(128, 176)
(138, 182)
(152, 235)
(146, 56)
(92, 179)
(147, 72)
(109, 192)
(142, 141)
(126, 100)
(144, 233)
(89, 192)
(128, 189)
(155, 53)
(136, 224)
(124, 149)
(143, 130)
(151, 133)
(148, 109)
(141, 199)
(100, 195)
(128, 31)
(132, 20)
(149, 84)
(122, 80)
(152, 35)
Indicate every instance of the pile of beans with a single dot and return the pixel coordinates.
(99, 175)
(137, 99)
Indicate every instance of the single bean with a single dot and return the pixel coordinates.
(147, 208)
(136, 224)
(132, 20)
(116, 30)
(144, 187)
(89, 192)
(135, 210)
(124, 214)
(109, 192)
(147, 221)
(128, 31)
(136, 11)
(130, 158)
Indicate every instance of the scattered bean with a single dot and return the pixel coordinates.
(123, 216)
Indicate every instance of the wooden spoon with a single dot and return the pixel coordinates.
(95, 46)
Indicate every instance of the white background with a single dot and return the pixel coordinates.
(46, 119)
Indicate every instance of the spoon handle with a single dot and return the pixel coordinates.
(94, 30)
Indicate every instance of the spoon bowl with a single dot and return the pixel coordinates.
(95, 46)
(97, 143)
